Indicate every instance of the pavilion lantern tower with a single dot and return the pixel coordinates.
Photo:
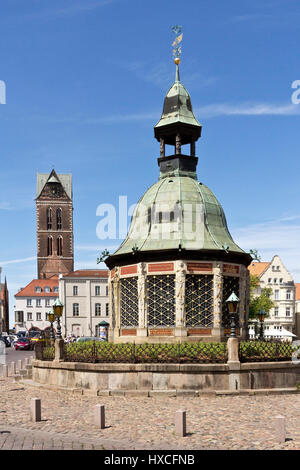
(170, 278)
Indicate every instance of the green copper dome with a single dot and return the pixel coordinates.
(178, 217)
(185, 214)
(177, 107)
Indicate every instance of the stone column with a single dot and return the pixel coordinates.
(162, 147)
(111, 308)
(193, 148)
(180, 273)
(142, 275)
(217, 302)
(178, 144)
(243, 301)
(116, 287)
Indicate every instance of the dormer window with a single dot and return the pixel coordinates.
(38, 289)
(47, 289)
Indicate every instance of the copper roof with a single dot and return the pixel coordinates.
(29, 290)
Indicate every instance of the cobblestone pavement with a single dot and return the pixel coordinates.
(224, 422)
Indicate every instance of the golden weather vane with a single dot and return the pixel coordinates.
(177, 30)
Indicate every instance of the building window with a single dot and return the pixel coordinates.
(29, 302)
(38, 302)
(59, 219)
(29, 316)
(59, 246)
(97, 290)
(97, 310)
(47, 289)
(275, 280)
(75, 290)
(278, 268)
(288, 295)
(276, 294)
(269, 280)
(281, 280)
(38, 316)
(47, 302)
(75, 310)
(199, 308)
(38, 289)
(288, 312)
(106, 291)
(50, 246)
(107, 309)
(49, 219)
(19, 317)
(55, 289)
(276, 310)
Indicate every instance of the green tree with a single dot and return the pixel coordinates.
(260, 302)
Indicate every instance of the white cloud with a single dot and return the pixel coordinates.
(248, 109)
(13, 261)
(279, 237)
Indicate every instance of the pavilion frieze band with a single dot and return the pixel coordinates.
(170, 278)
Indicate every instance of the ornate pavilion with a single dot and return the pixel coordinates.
(170, 278)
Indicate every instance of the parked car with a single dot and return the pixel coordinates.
(23, 343)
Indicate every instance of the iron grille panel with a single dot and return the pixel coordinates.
(161, 300)
(265, 351)
(230, 284)
(199, 293)
(129, 306)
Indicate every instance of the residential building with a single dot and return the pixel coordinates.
(4, 307)
(275, 276)
(34, 302)
(84, 294)
(297, 308)
(54, 212)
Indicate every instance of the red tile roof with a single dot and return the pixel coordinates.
(297, 291)
(29, 290)
(257, 269)
(96, 273)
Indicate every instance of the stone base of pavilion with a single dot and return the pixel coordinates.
(172, 335)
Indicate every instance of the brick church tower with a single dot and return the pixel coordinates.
(54, 210)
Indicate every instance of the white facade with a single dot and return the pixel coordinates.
(34, 303)
(278, 278)
(84, 295)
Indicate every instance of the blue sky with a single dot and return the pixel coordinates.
(85, 85)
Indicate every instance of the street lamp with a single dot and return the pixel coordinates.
(233, 303)
(261, 317)
(58, 311)
(51, 318)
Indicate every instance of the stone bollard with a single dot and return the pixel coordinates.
(20, 364)
(280, 430)
(4, 370)
(26, 361)
(13, 368)
(180, 423)
(99, 416)
(35, 409)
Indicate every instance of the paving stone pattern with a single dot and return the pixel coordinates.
(217, 422)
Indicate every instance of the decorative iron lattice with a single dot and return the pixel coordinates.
(265, 351)
(161, 300)
(102, 352)
(129, 305)
(46, 350)
(199, 293)
(230, 284)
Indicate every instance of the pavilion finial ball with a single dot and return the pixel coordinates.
(177, 61)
